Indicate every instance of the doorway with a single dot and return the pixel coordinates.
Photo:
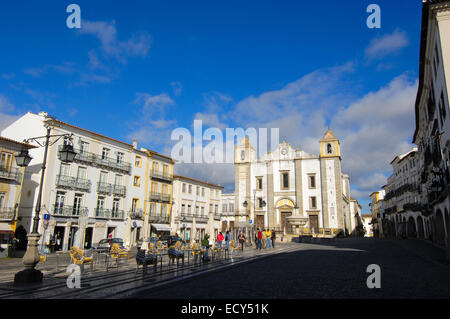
(111, 232)
(285, 226)
(59, 237)
(72, 236)
(314, 223)
(259, 221)
(88, 238)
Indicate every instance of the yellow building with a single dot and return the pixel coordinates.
(11, 179)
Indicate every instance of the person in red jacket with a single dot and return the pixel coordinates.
(220, 239)
(259, 239)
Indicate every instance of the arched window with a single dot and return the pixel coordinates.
(329, 149)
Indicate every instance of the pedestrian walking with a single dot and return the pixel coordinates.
(241, 239)
(220, 239)
(227, 240)
(268, 234)
(273, 238)
(259, 239)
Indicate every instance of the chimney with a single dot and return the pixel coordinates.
(135, 143)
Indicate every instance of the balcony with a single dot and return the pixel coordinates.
(186, 218)
(99, 160)
(117, 214)
(6, 214)
(69, 211)
(161, 176)
(74, 183)
(10, 174)
(139, 214)
(158, 197)
(119, 190)
(102, 213)
(104, 188)
(201, 218)
(216, 215)
(159, 219)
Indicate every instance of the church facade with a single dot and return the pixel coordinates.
(294, 192)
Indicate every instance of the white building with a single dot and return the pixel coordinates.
(432, 132)
(196, 208)
(11, 178)
(292, 191)
(101, 194)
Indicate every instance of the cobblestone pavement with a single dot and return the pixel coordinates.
(117, 282)
(409, 269)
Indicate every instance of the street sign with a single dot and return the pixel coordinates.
(46, 216)
(250, 221)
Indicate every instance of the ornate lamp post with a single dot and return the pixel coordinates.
(31, 257)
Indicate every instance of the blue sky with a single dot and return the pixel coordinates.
(142, 68)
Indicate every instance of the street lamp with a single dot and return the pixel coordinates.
(31, 257)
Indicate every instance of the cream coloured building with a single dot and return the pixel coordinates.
(104, 192)
(292, 191)
(196, 208)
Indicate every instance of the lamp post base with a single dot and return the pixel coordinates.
(31, 258)
(28, 276)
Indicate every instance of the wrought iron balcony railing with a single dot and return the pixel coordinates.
(216, 215)
(104, 188)
(161, 175)
(102, 213)
(186, 217)
(11, 174)
(119, 190)
(201, 218)
(117, 214)
(69, 211)
(137, 214)
(159, 219)
(69, 182)
(6, 214)
(160, 197)
(99, 160)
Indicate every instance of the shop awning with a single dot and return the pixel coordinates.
(162, 227)
(5, 228)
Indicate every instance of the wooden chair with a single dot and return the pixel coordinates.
(196, 252)
(175, 252)
(117, 253)
(144, 258)
(78, 258)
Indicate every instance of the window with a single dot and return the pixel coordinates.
(190, 189)
(138, 161)
(115, 207)
(152, 209)
(329, 149)
(100, 204)
(198, 190)
(137, 181)
(312, 202)
(312, 181)
(259, 183)
(59, 202)
(260, 200)
(196, 210)
(118, 180)
(216, 209)
(285, 180)
(5, 161)
(203, 191)
(166, 170)
(224, 208)
(203, 211)
(189, 210)
(164, 210)
(103, 177)
(77, 204)
(184, 188)
(84, 147)
(64, 170)
(183, 209)
(165, 189)
(2, 199)
(81, 173)
(242, 155)
(231, 206)
(134, 205)
(105, 153)
(120, 157)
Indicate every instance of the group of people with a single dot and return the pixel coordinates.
(265, 238)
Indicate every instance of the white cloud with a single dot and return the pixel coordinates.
(177, 88)
(6, 108)
(386, 45)
(151, 104)
(106, 33)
